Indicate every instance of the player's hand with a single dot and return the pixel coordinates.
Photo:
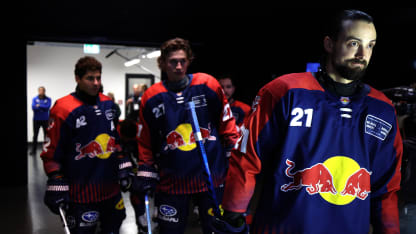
(145, 181)
(230, 222)
(125, 175)
(57, 193)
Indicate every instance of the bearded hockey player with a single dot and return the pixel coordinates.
(327, 146)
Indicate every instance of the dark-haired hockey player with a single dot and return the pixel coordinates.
(166, 139)
(82, 156)
(327, 146)
(240, 109)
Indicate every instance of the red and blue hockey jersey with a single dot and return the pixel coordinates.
(240, 111)
(82, 144)
(166, 136)
(328, 164)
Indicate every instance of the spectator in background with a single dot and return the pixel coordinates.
(40, 106)
(117, 108)
(133, 103)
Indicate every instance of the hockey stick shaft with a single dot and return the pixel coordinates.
(200, 144)
(149, 223)
(63, 217)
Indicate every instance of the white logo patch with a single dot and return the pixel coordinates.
(199, 101)
(377, 127)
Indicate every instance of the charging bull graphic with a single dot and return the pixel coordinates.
(358, 184)
(317, 179)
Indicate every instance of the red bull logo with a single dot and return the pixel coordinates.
(338, 173)
(101, 147)
(358, 184)
(317, 179)
(183, 138)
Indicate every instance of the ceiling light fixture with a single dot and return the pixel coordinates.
(132, 62)
(153, 54)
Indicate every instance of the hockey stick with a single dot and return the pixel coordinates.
(149, 223)
(62, 213)
(200, 144)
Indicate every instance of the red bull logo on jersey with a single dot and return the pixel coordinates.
(338, 180)
(317, 179)
(101, 147)
(183, 138)
(358, 184)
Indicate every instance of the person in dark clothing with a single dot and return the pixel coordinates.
(133, 102)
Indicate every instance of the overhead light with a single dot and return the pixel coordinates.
(91, 49)
(153, 54)
(132, 62)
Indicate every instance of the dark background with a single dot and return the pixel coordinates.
(253, 42)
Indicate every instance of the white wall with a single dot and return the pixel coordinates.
(53, 68)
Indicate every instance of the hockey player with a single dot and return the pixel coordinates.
(240, 109)
(327, 146)
(81, 156)
(166, 139)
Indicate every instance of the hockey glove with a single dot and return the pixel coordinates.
(125, 174)
(230, 222)
(146, 180)
(57, 193)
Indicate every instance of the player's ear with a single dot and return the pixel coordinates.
(77, 79)
(161, 63)
(328, 44)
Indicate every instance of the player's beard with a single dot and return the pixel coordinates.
(349, 73)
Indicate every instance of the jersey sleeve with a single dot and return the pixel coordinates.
(246, 108)
(34, 107)
(246, 161)
(384, 201)
(45, 105)
(144, 137)
(52, 149)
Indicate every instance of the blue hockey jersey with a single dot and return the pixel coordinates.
(166, 136)
(82, 144)
(328, 164)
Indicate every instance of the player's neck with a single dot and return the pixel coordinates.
(335, 76)
(177, 86)
(85, 97)
(338, 88)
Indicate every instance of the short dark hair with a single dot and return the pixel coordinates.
(86, 64)
(225, 76)
(174, 45)
(335, 24)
